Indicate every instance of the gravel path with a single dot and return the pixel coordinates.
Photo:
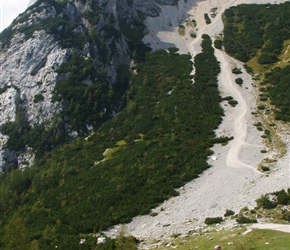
(233, 181)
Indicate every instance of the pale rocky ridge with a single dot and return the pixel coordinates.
(28, 65)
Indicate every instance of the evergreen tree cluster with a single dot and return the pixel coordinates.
(250, 29)
(158, 142)
(277, 86)
(261, 31)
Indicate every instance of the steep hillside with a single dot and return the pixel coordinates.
(234, 181)
(104, 130)
(94, 168)
(98, 38)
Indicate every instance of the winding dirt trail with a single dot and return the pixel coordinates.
(233, 181)
(242, 110)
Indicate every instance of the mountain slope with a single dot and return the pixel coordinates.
(146, 155)
(122, 139)
(234, 181)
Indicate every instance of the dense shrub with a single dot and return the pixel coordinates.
(265, 202)
(237, 71)
(245, 220)
(283, 197)
(227, 98)
(278, 88)
(213, 220)
(286, 215)
(261, 107)
(239, 81)
(250, 28)
(218, 44)
(233, 103)
(265, 168)
(181, 30)
(38, 97)
(222, 139)
(207, 18)
(154, 148)
(229, 213)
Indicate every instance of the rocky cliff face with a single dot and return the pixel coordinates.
(47, 36)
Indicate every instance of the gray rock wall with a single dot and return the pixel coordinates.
(30, 57)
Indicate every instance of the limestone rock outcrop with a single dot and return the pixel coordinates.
(45, 37)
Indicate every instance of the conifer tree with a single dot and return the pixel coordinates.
(15, 234)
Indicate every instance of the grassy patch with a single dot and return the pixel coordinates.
(234, 240)
(181, 30)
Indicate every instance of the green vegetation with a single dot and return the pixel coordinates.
(261, 33)
(229, 213)
(278, 88)
(245, 220)
(236, 71)
(252, 30)
(87, 97)
(239, 81)
(218, 44)
(3, 89)
(227, 98)
(222, 139)
(181, 30)
(15, 234)
(38, 97)
(265, 168)
(269, 207)
(233, 103)
(269, 201)
(92, 14)
(62, 27)
(73, 188)
(86, 104)
(213, 12)
(18, 130)
(207, 18)
(234, 239)
(192, 34)
(213, 220)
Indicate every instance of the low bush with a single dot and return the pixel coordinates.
(38, 98)
(181, 30)
(213, 220)
(286, 215)
(239, 81)
(227, 98)
(265, 168)
(261, 107)
(233, 103)
(245, 220)
(283, 197)
(263, 98)
(222, 139)
(265, 202)
(229, 213)
(237, 71)
(207, 18)
(192, 34)
(218, 44)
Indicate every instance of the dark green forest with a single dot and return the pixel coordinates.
(260, 31)
(159, 139)
(250, 29)
(277, 86)
(166, 130)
